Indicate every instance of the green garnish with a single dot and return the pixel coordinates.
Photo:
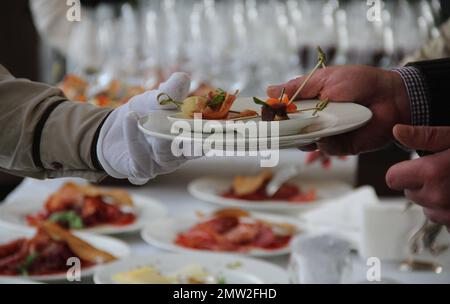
(234, 265)
(321, 60)
(29, 260)
(260, 102)
(218, 99)
(322, 105)
(221, 280)
(167, 100)
(321, 56)
(73, 220)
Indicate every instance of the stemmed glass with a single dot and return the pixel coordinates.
(243, 44)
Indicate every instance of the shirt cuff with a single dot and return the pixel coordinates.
(416, 88)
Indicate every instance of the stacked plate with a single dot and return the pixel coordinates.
(301, 129)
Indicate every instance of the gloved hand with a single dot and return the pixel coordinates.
(125, 152)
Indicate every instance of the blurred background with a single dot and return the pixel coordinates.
(233, 44)
(121, 48)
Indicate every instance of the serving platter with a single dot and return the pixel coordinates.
(147, 209)
(336, 119)
(113, 246)
(209, 189)
(163, 233)
(234, 269)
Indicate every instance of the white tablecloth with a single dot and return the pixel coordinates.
(171, 191)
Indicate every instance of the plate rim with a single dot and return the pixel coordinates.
(199, 255)
(89, 272)
(101, 230)
(275, 206)
(312, 136)
(191, 217)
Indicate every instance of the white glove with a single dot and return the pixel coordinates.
(124, 152)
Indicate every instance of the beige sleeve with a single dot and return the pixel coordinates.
(44, 135)
(435, 48)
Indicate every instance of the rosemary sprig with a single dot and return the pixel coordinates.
(321, 58)
(168, 100)
(322, 105)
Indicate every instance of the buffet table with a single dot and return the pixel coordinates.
(171, 190)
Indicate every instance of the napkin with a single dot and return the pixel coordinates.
(374, 227)
(343, 216)
(387, 228)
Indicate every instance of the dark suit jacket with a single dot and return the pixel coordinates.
(437, 78)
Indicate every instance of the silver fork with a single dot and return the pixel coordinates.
(425, 239)
(282, 176)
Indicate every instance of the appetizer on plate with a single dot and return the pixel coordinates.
(253, 188)
(280, 109)
(191, 274)
(85, 206)
(235, 230)
(216, 105)
(47, 253)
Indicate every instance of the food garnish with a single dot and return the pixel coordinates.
(216, 105)
(278, 109)
(29, 260)
(68, 218)
(234, 265)
(321, 60)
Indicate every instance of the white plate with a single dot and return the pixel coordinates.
(163, 233)
(338, 118)
(147, 209)
(251, 271)
(115, 247)
(15, 281)
(209, 189)
(294, 125)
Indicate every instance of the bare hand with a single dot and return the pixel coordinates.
(425, 181)
(380, 90)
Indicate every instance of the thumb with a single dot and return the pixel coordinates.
(429, 139)
(177, 86)
(137, 150)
